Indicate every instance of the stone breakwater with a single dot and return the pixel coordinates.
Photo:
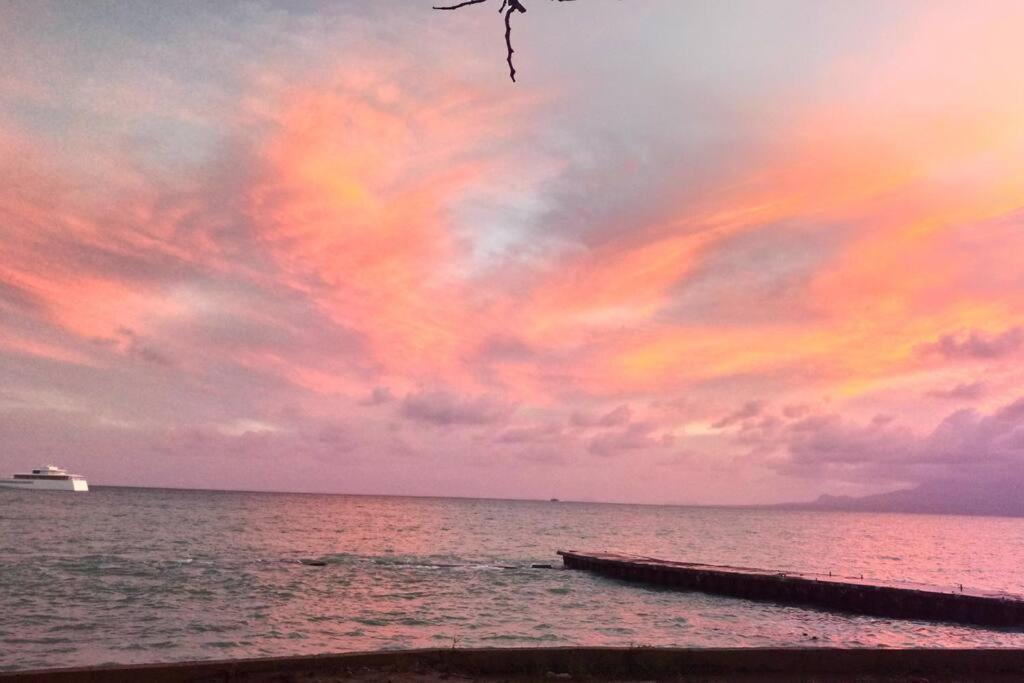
(834, 593)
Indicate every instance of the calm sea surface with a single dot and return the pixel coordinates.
(145, 575)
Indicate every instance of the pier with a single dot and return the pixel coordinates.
(824, 591)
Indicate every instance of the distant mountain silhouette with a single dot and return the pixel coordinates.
(1002, 498)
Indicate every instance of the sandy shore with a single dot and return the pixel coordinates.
(570, 664)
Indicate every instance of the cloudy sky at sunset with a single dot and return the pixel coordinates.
(701, 252)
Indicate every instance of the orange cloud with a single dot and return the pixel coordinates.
(355, 209)
(918, 155)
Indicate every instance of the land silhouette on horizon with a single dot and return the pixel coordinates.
(940, 498)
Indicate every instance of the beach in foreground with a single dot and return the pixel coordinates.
(559, 664)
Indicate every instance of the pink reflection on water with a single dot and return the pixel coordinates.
(144, 575)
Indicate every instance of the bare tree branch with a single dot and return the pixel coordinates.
(461, 4)
(513, 6)
(507, 8)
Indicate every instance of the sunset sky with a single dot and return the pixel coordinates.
(701, 252)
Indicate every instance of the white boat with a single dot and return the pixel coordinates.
(47, 478)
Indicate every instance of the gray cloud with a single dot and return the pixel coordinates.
(19, 298)
(830, 442)
(756, 276)
(339, 438)
(963, 391)
(975, 345)
(128, 343)
(635, 436)
(618, 416)
(965, 444)
(505, 347)
(378, 396)
(795, 410)
(445, 409)
(136, 347)
(745, 412)
(530, 435)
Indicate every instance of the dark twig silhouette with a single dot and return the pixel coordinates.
(507, 8)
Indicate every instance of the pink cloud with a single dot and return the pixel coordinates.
(359, 252)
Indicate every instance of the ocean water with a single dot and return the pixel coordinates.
(145, 575)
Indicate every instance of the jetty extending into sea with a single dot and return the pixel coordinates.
(835, 593)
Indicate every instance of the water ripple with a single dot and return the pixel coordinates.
(130, 575)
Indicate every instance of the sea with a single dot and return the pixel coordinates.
(129, 575)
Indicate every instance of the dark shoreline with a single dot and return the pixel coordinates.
(620, 664)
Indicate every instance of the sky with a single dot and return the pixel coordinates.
(700, 253)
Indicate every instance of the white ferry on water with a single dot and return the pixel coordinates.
(48, 478)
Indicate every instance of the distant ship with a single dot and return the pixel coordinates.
(48, 478)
